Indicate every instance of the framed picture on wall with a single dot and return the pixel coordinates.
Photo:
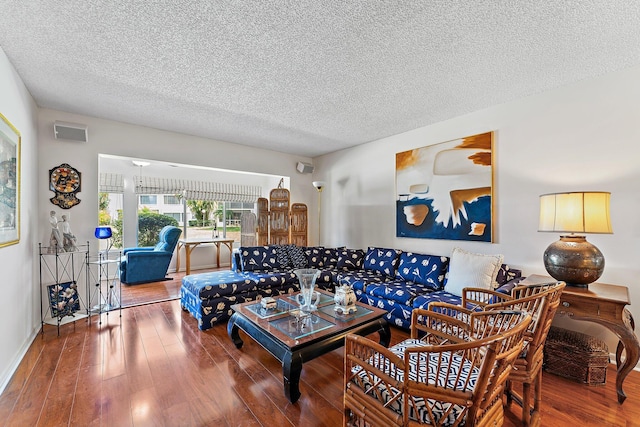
(9, 183)
(445, 191)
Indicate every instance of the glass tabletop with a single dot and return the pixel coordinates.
(282, 306)
(298, 324)
(330, 310)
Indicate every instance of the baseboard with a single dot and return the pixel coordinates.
(11, 369)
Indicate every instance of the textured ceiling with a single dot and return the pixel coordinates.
(307, 76)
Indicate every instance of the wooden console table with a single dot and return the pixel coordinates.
(603, 304)
(190, 244)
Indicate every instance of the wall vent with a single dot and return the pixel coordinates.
(70, 132)
(304, 167)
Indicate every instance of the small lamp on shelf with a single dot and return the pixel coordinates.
(104, 232)
(572, 259)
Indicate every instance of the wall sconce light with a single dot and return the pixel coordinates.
(319, 185)
(572, 259)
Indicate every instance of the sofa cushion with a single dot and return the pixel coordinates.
(360, 279)
(315, 256)
(507, 274)
(258, 258)
(350, 259)
(471, 270)
(297, 256)
(272, 277)
(382, 260)
(428, 270)
(330, 256)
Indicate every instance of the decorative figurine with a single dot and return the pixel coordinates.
(55, 241)
(68, 239)
(268, 303)
(345, 300)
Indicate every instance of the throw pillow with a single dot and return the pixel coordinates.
(258, 258)
(297, 256)
(382, 260)
(470, 270)
(282, 256)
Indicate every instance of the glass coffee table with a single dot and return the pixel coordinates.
(293, 337)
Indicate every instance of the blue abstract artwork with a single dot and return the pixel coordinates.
(445, 191)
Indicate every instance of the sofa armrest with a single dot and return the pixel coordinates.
(141, 248)
(507, 287)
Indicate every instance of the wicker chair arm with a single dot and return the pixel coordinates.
(437, 328)
(477, 298)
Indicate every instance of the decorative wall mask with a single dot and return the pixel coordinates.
(64, 180)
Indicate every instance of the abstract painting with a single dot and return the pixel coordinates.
(445, 191)
(9, 183)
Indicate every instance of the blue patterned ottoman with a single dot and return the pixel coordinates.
(209, 296)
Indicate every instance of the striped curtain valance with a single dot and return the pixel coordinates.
(111, 183)
(198, 190)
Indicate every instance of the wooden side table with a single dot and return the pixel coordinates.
(190, 244)
(603, 304)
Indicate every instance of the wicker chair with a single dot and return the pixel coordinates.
(541, 301)
(450, 372)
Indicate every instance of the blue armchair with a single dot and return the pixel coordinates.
(149, 264)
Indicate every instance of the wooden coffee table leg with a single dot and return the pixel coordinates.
(291, 368)
(385, 333)
(232, 331)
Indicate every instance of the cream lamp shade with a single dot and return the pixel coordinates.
(578, 212)
(572, 259)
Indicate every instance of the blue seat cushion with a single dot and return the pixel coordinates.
(274, 277)
(423, 301)
(402, 292)
(359, 280)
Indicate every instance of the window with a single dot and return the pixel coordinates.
(172, 200)
(176, 215)
(148, 199)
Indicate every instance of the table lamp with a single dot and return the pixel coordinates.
(104, 232)
(572, 259)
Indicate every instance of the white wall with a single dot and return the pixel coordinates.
(121, 139)
(582, 137)
(20, 318)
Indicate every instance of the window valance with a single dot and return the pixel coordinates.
(111, 183)
(198, 190)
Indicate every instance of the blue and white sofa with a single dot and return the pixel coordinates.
(390, 279)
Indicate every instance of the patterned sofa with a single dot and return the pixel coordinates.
(391, 279)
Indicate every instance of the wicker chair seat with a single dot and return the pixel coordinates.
(461, 378)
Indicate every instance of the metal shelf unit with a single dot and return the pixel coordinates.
(103, 272)
(61, 291)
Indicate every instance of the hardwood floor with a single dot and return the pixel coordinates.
(153, 367)
(146, 293)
